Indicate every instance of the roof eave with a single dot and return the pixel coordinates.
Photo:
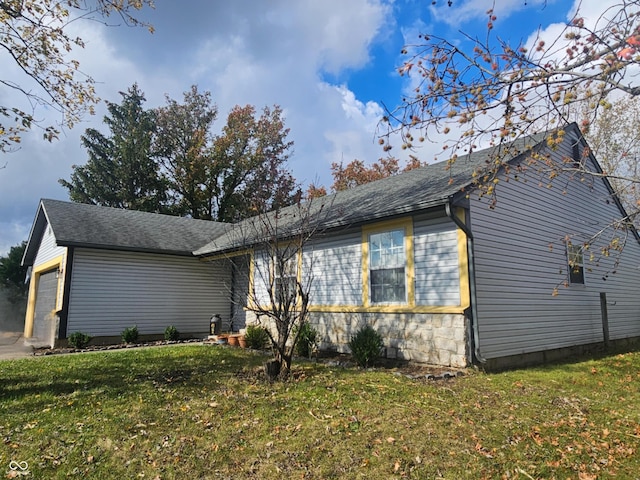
(351, 222)
(37, 227)
(124, 248)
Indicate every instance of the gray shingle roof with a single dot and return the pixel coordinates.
(415, 190)
(77, 224)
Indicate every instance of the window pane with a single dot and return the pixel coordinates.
(576, 264)
(387, 267)
(576, 275)
(387, 285)
(387, 249)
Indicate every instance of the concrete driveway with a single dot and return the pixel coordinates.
(12, 346)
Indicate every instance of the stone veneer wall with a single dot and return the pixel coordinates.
(440, 339)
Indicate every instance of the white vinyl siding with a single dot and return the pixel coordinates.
(437, 269)
(48, 250)
(336, 266)
(520, 258)
(113, 290)
(262, 278)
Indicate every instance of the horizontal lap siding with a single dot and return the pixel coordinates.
(437, 270)
(520, 258)
(261, 278)
(114, 290)
(336, 266)
(48, 249)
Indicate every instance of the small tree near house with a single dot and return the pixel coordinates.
(280, 275)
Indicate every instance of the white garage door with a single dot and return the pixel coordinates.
(45, 321)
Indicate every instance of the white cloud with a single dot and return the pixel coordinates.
(476, 10)
(244, 52)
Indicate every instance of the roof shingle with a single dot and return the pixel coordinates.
(82, 225)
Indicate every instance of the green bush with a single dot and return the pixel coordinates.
(256, 337)
(79, 340)
(130, 335)
(171, 333)
(307, 339)
(366, 346)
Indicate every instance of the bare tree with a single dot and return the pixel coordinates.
(36, 42)
(615, 139)
(280, 274)
(493, 93)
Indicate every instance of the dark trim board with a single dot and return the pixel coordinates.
(64, 313)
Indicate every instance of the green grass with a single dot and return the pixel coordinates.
(202, 412)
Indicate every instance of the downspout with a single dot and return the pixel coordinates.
(472, 281)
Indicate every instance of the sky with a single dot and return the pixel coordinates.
(331, 65)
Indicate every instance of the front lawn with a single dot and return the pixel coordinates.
(200, 411)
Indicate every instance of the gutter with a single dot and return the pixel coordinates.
(475, 341)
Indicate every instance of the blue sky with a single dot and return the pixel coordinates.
(330, 64)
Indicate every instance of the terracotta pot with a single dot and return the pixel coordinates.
(233, 340)
(242, 341)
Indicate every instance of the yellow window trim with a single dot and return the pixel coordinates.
(441, 309)
(407, 225)
(463, 261)
(225, 256)
(38, 271)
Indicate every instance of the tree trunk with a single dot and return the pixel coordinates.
(272, 369)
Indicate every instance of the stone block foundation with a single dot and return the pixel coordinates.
(439, 339)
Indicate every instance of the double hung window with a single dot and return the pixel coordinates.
(387, 263)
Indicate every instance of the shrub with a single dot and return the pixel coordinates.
(307, 339)
(171, 333)
(79, 340)
(130, 335)
(366, 346)
(256, 337)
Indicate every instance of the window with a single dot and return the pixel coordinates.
(576, 264)
(387, 260)
(285, 276)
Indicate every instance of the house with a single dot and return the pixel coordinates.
(450, 278)
(448, 275)
(99, 270)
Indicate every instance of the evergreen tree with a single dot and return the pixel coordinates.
(121, 171)
(13, 274)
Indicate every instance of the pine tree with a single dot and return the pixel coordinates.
(121, 171)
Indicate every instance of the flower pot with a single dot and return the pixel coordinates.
(222, 339)
(233, 340)
(242, 341)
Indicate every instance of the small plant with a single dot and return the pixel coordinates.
(130, 335)
(171, 333)
(79, 340)
(307, 339)
(256, 337)
(366, 346)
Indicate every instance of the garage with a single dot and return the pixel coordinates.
(45, 320)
